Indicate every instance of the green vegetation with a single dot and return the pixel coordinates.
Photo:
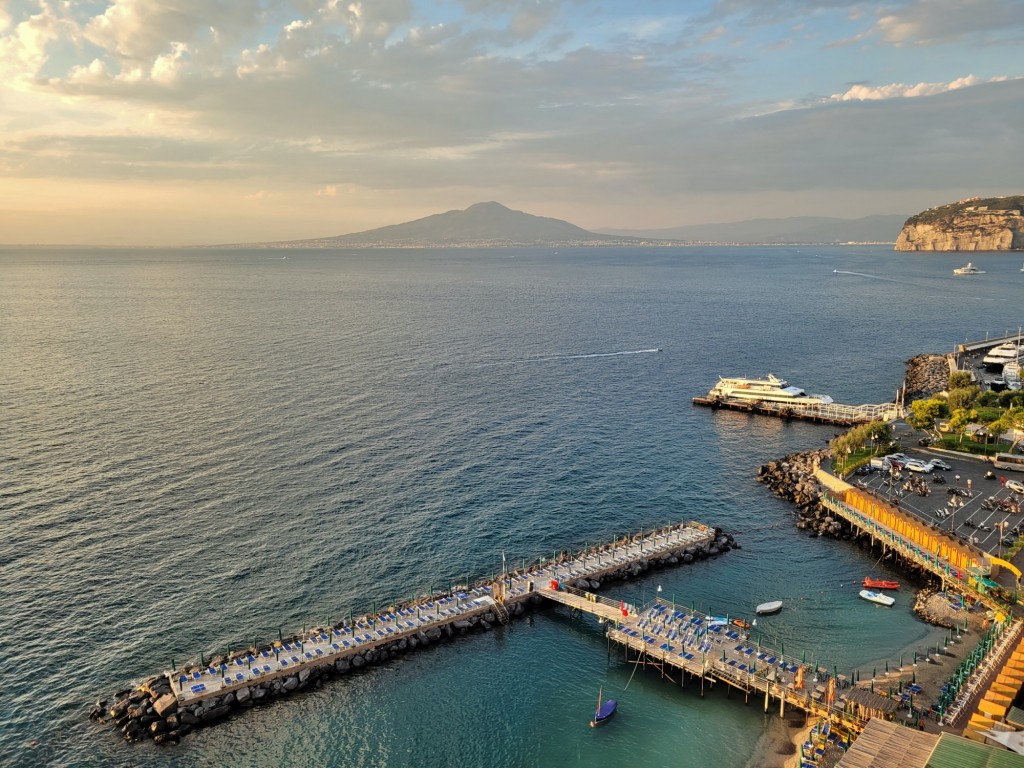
(853, 448)
(924, 413)
(944, 214)
(959, 379)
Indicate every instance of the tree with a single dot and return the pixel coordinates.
(959, 420)
(959, 380)
(923, 413)
(963, 397)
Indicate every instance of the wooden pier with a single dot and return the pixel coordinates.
(680, 640)
(831, 413)
(295, 657)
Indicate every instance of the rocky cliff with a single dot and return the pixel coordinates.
(993, 224)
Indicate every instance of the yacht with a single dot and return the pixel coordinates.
(998, 357)
(970, 269)
(770, 389)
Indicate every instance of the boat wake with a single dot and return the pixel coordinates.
(916, 285)
(581, 356)
(605, 354)
(867, 275)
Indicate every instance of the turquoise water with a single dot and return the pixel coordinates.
(202, 447)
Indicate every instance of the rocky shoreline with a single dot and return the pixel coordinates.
(927, 375)
(792, 479)
(151, 711)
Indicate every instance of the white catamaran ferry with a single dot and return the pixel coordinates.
(770, 389)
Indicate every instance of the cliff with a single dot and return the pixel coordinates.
(993, 224)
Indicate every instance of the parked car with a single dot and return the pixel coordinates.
(1015, 485)
(939, 464)
(916, 465)
(902, 457)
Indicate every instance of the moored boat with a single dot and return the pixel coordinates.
(871, 583)
(876, 597)
(605, 710)
(741, 623)
(770, 389)
(765, 609)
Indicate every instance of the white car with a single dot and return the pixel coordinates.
(939, 464)
(1015, 485)
(916, 465)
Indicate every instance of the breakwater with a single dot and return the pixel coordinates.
(168, 706)
(926, 375)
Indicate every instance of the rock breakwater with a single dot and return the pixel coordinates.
(927, 375)
(792, 478)
(151, 710)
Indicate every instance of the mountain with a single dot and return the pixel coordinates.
(977, 224)
(799, 229)
(484, 225)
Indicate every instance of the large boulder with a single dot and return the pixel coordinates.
(210, 715)
(165, 705)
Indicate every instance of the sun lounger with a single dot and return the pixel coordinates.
(742, 667)
(284, 662)
(199, 688)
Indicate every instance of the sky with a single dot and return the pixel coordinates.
(180, 122)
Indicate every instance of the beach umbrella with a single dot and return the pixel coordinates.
(723, 654)
(202, 659)
(913, 680)
(887, 666)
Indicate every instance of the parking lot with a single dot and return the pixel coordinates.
(980, 510)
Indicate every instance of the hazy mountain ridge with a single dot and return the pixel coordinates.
(481, 225)
(492, 225)
(797, 229)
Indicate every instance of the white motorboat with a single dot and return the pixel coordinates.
(998, 357)
(876, 597)
(969, 269)
(766, 609)
(770, 389)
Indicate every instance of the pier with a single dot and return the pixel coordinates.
(685, 641)
(831, 413)
(410, 623)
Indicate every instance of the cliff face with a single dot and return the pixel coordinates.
(995, 224)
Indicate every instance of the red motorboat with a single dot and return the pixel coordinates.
(870, 583)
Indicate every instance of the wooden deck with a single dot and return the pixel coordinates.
(687, 641)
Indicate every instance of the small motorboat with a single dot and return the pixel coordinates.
(766, 609)
(741, 623)
(968, 269)
(876, 597)
(870, 583)
(604, 711)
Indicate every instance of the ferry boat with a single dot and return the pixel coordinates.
(876, 597)
(870, 583)
(1003, 354)
(770, 389)
(969, 269)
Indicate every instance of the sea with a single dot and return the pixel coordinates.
(203, 448)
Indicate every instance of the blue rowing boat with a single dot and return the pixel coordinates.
(604, 711)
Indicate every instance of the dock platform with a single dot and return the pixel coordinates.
(831, 413)
(326, 645)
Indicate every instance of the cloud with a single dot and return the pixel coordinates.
(331, 190)
(932, 22)
(861, 92)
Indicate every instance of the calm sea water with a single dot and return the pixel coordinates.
(202, 447)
